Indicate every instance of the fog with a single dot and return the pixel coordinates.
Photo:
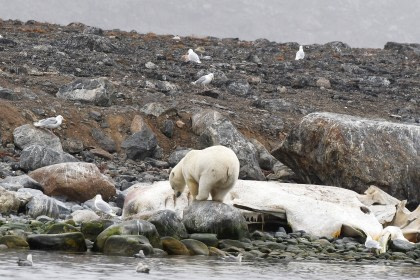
(360, 23)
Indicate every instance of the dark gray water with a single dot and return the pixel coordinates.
(360, 23)
(52, 265)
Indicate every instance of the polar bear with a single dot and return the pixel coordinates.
(213, 170)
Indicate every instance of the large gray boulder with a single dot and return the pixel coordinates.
(27, 135)
(168, 224)
(354, 153)
(104, 141)
(141, 144)
(36, 156)
(39, 204)
(215, 217)
(14, 183)
(72, 241)
(96, 91)
(223, 132)
(91, 42)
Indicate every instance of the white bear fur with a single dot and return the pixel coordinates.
(213, 170)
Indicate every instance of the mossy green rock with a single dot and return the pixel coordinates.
(127, 245)
(13, 241)
(210, 239)
(60, 228)
(92, 229)
(174, 247)
(73, 242)
(196, 247)
(132, 227)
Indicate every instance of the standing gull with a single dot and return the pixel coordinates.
(300, 54)
(50, 123)
(371, 244)
(27, 262)
(204, 80)
(102, 206)
(192, 56)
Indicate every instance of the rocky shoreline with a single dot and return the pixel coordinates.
(132, 113)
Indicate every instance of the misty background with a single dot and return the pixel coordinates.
(360, 23)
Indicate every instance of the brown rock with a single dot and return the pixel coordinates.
(174, 247)
(101, 153)
(78, 181)
(137, 124)
(8, 201)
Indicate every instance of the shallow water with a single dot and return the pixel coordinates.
(55, 265)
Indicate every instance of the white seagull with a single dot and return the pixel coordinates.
(192, 56)
(141, 267)
(102, 206)
(50, 123)
(371, 244)
(27, 262)
(300, 54)
(238, 258)
(204, 80)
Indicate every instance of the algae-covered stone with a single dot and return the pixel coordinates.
(196, 247)
(174, 247)
(13, 241)
(60, 228)
(93, 228)
(168, 224)
(73, 242)
(213, 251)
(132, 227)
(210, 239)
(127, 245)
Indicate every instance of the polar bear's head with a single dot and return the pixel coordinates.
(176, 179)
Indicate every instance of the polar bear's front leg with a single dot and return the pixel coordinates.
(193, 188)
(204, 188)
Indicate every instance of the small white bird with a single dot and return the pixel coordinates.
(300, 54)
(102, 206)
(237, 258)
(140, 255)
(204, 80)
(27, 262)
(371, 244)
(50, 123)
(141, 267)
(192, 56)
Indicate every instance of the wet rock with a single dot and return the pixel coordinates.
(92, 228)
(91, 42)
(60, 228)
(356, 153)
(36, 156)
(8, 201)
(176, 156)
(215, 217)
(72, 146)
(132, 227)
(72, 242)
(399, 245)
(14, 242)
(27, 135)
(96, 91)
(201, 120)
(174, 247)
(104, 141)
(213, 251)
(83, 216)
(222, 132)
(196, 248)
(239, 88)
(141, 144)
(168, 224)
(127, 245)
(229, 243)
(78, 181)
(209, 239)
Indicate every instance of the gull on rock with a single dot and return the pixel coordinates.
(372, 244)
(300, 54)
(140, 255)
(204, 80)
(102, 206)
(27, 262)
(192, 56)
(233, 258)
(50, 123)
